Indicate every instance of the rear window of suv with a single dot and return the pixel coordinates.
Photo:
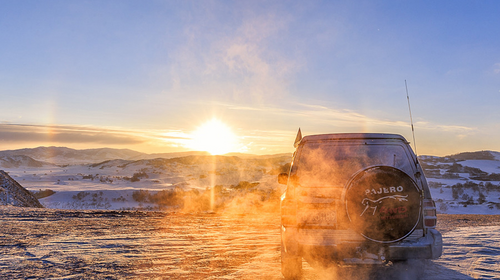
(332, 164)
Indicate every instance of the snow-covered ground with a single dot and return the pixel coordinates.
(66, 244)
(81, 244)
(474, 252)
(111, 184)
(479, 192)
(467, 183)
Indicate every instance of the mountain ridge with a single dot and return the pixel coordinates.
(63, 155)
(476, 155)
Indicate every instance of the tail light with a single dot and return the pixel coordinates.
(430, 219)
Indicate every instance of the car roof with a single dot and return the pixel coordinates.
(346, 136)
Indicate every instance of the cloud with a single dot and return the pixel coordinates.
(451, 128)
(322, 117)
(15, 136)
(238, 62)
(262, 73)
(55, 134)
(314, 114)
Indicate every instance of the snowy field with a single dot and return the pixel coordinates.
(470, 186)
(65, 244)
(80, 243)
(467, 183)
(110, 185)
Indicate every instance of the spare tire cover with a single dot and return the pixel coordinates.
(383, 204)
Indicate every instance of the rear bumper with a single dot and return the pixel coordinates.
(429, 246)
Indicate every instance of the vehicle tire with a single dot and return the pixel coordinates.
(383, 204)
(291, 265)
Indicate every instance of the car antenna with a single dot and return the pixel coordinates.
(411, 120)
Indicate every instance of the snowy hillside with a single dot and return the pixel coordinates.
(63, 155)
(466, 183)
(129, 184)
(17, 161)
(11, 193)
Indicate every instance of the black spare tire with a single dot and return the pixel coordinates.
(383, 204)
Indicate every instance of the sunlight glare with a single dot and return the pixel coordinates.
(214, 137)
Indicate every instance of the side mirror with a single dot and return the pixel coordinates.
(283, 178)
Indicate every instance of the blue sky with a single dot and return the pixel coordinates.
(145, 75)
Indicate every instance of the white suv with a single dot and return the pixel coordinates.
(356, 198)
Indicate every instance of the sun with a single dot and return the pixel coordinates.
(214, 137)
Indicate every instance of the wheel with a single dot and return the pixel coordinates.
(291, 265)
(383, 204)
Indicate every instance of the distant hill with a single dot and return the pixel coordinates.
(480, 155)
(195, 160)
(63, 155)
(242, 155)
(37, 157)
(460, 183)
(169, 155)
(17, 161)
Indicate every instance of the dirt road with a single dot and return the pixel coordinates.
(57, 244)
